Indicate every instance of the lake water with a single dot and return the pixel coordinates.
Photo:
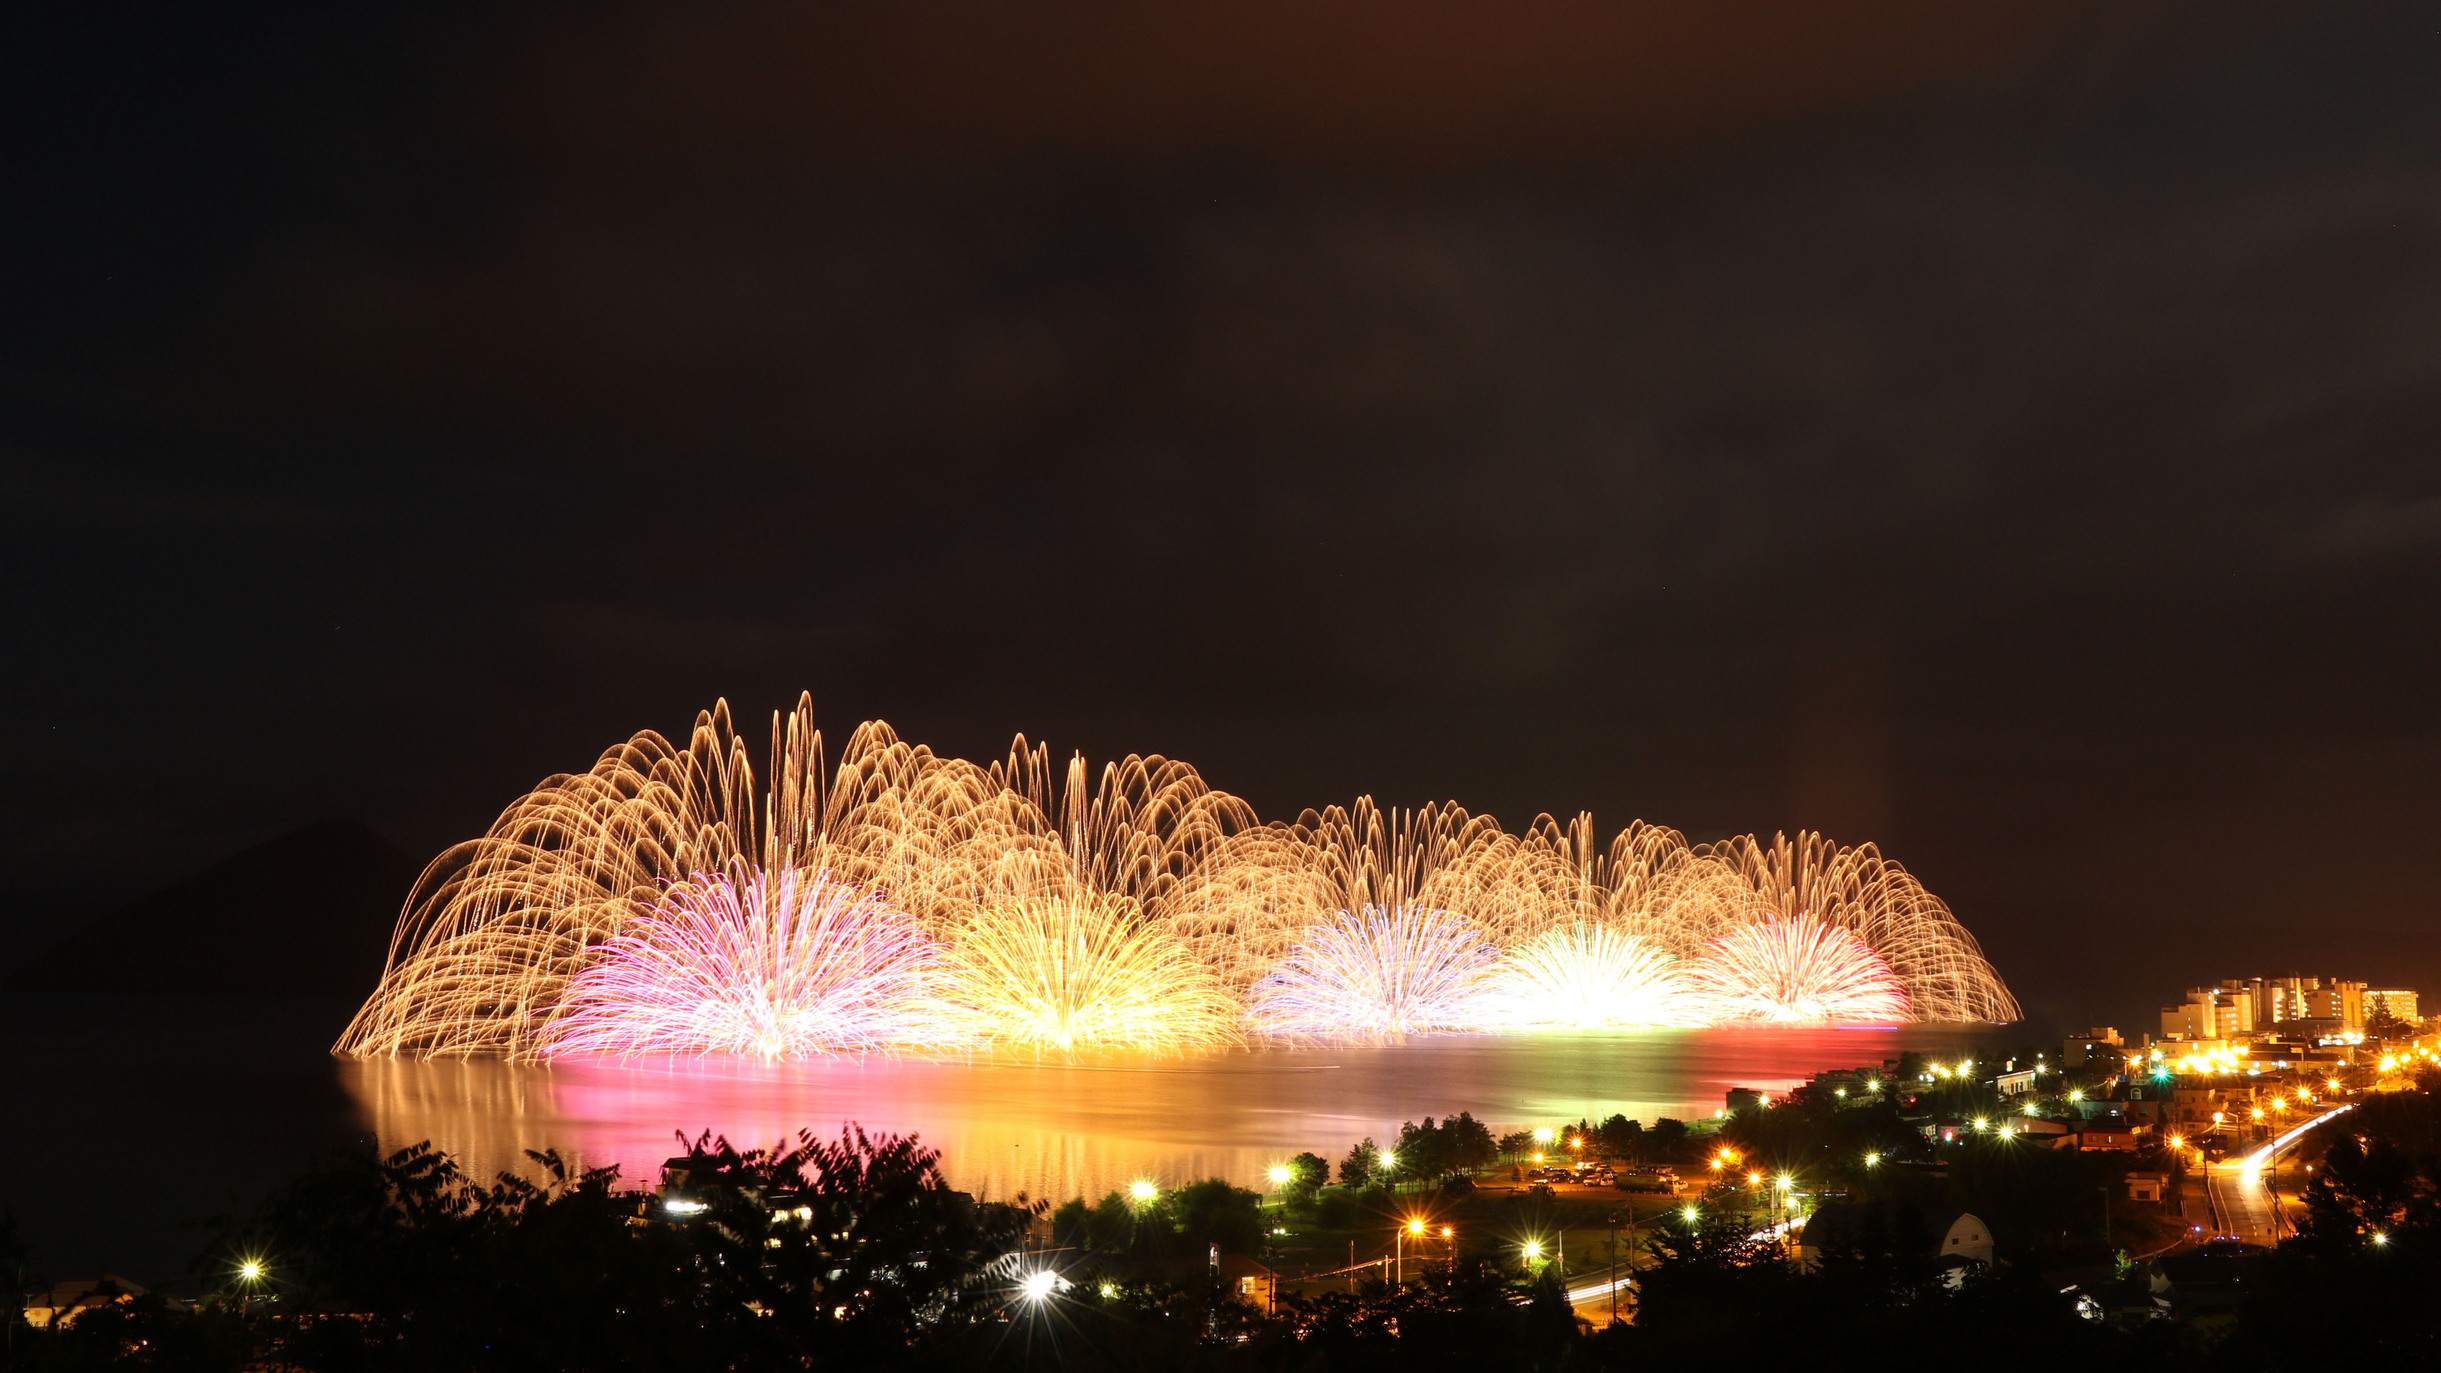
(1063, 1130)
(129, 1119)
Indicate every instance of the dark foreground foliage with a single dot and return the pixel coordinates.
(852, 1254)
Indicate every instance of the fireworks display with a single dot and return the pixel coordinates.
(1588, 977)
(1798, 971)
(772, 968)
(1376, 974)
(566, 928)
(1067, 975)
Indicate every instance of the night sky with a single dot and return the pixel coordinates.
(2008, 432)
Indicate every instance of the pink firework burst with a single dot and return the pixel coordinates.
(777, 968)
(1795, 972)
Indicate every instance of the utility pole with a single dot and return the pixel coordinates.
(1614, 1268)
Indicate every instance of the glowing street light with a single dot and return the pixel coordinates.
(250, 1270)
(1542, 1134)
(1873, 1160)
(1398, 1243)
(1532, 1249)
(1279, 1175)
(1690, 1214)
(1142, 1190)
(1389, 1159)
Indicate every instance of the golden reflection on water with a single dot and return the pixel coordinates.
(1062, 1130)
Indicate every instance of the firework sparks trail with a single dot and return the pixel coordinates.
(498, 932)
(1082, 975)
(769, 968)
(1377, 974)
(1798, 971)
(1589, 977)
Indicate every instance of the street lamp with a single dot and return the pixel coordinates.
(1142, 1191)
(1398, 1243)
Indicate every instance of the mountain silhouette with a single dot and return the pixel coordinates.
(306, 914)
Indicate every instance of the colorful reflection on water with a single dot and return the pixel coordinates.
(1063, 1130)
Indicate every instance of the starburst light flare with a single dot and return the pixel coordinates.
(1081, 975)
(1376, 975)
(1589, 977)
(1795, 972)
(770, 968)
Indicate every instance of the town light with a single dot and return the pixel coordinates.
(1533, 1250)
(1415, 1227)
(1690, 1214)
(1786, 1182)
(1279, 1175)
(1542, 1134)
(1874, 1082)
(1389, 1158)
(1873, 1160)
(1575, 1143)
(1142, 1190)
(1982, 1124)
(1447, 1231)
(2178, 1141)
(2076, 1096)
(2380, 1238)
(1037, 1284)
(250, 1270)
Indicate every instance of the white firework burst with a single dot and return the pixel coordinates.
(1796, 972)
(1590, 977)
(1377, 974)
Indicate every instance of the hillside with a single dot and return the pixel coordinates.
(305, 914)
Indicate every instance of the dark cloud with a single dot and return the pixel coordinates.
(2006, 436)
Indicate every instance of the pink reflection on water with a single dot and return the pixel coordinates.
(1063, 1130)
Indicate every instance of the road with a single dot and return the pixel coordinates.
(2240, 1189)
